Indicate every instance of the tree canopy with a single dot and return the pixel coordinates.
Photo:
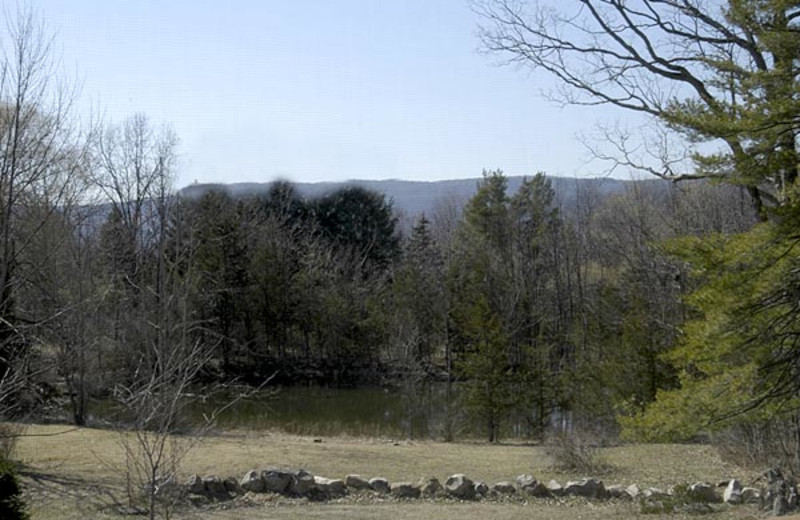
(720, 75)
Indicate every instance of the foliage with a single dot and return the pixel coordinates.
(738, 354)
(720, 74)
(12, 506)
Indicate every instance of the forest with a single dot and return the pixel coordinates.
(664, 313)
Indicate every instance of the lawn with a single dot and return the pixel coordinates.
(75, 474)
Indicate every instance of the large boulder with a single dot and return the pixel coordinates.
(524, 482)
(215, 487)
(554, 488)
(481, 489)
(587, 487)
(459, 486)
(751, 495)
(279, 481)
(251, 481)
(195, 485)
(633, 490)
(356, 482)
(733, 492)
(330, 487)
(404, 490)
(704, 492)
(505, 488)
(232, 486)
(430, 486)
(617, 491)
(380, 485)
(301, 483)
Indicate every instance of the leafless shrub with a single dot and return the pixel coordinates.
(773, 443)
(576, 452)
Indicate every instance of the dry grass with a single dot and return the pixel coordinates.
(73, 475)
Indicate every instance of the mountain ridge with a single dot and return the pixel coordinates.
(413, 198)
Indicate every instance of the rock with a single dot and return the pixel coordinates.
(652, 492)
(380, 484)
(404, 490)
(430, 486)
(617, 491)
(751, 495)
(588, 487)
(232, 486)
(633, 490)
(459, 486)
(214, 486)
(505, 488)
(555, 488)
(525, 481)
(333, 487)
(356, 482)
(279, 481)
(481, 489)
(733, 492)
(301, 483)
(704, 492)
(195, 485)
(251, 481)
(780, 506)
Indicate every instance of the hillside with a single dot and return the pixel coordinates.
(412, 198)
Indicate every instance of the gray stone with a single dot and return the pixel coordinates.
(301, 483)
(525, 481)
(356, 482)
(588, 487)
(404, 490)
(251, 481)
(333, 487)
(733, 492)
(617, 491)
(505, 488)
(459, 486)
(704, 492)
(653, 492)
(430, 486)
(555, 488)
(751, 495)
(279, 481)
(380, 484)
(538, 490)
(232, 486)
(481, 489)
(195, 485)
(633, 490)
(214, 486)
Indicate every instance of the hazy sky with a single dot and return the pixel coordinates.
(317, 90)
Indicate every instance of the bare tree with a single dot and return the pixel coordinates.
(42, 166)
(720, 75)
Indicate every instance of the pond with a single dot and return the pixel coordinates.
(371, 412)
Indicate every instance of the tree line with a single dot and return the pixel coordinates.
(669, 309)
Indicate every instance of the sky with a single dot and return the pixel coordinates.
(317, 90)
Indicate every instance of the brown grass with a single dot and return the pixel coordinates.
(73, 475)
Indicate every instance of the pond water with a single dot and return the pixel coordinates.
(373, 412)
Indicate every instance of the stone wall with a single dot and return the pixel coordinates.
(777, 493)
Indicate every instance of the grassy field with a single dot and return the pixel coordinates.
(76, 475)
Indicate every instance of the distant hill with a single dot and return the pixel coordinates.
(412, 198)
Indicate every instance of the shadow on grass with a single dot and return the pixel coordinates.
(45, 486)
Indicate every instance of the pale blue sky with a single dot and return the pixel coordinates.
(317, 90)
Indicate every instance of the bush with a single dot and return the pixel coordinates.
(12, 506)
(771, 443)
(576, 453)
